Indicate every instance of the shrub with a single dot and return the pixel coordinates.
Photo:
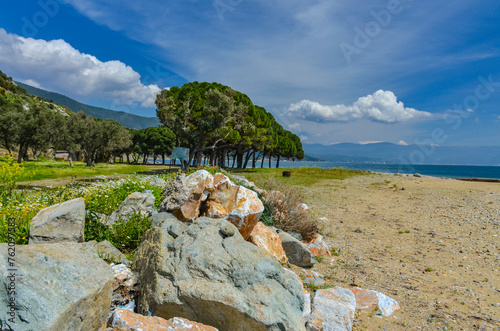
(283, 201)
(10, 173)
(126, 236)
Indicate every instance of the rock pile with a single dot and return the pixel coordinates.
(205, 264)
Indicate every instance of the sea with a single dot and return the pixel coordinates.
(446, 171)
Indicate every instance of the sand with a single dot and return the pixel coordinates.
(430, 243)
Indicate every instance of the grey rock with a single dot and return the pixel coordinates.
(297, 253)
(195, 271)
(64, 222)
(314, 281)
(136, 203)
(103, 218)
(60, 286)
(333, 310)
(174, 194)
(297, 236)
(158, 219)
(107, 251)
(157, 181)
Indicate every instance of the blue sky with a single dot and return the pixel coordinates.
(330, 71)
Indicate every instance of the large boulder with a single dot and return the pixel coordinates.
(206, 272)
(64, 222)
(198, 186)
(263, 237)
(298, 254)
(61, 286)
(215, 197)
(333, 310)
(135, 203)
(123, 319)
(159, 218)
(237, 204)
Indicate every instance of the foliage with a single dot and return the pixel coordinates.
(23, 206)
(283, 202)
(109, 197)
(10, 173)
(126, 236)
(212, 118)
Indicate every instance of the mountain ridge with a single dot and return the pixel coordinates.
(126, 119)
(385, 152)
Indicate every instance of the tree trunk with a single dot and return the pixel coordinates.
(222, 160)
(20, 155)
(270, 157)
(70, 160)
(163, 158)
(247, 158)
(199, 156)
(254, 159)
(278, 162)
(88, 159)
(239, 159)
(212, 157)
(263, 157)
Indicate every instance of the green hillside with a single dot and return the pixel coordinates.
(128, 120)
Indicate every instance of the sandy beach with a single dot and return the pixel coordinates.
(430, 243)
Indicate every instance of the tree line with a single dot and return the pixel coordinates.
(215, 122)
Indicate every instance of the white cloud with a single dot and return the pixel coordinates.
(403, 143)
(381, 106)
(294, 126)
(304, 138)
(56, 65)
(370, 142)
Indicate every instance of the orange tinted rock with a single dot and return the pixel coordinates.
(317, 246)
(238, 205)
(126, 320)
(371, 299)
(364, 298)
(199, 186)
(262, 236)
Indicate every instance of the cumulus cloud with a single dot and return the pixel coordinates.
(403, 143)
(294, 126)
(56, 65)
(381, 106)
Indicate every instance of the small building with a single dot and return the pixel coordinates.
(63, 155)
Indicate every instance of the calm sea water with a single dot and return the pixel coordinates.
(449, 171)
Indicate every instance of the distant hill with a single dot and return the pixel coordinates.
(311, 159)
(403, 154)
(128, 120)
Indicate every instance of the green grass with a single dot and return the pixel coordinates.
(304, 176)
(49, 169)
